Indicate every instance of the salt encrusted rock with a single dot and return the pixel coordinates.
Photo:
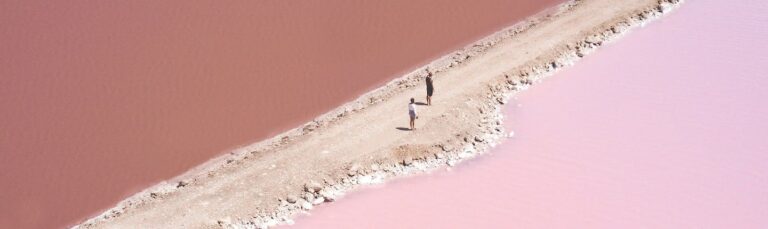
(313, 187)
(306, 205)
(181, 184)
(594, 39)
(407, 161)
(478, 139)
(328, 180)
(328, 194)
(318, 200)
(224, 222)
(309, 196)
(500, 100)
(291, 199)
(447, 147)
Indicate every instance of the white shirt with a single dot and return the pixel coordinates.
(412, 107)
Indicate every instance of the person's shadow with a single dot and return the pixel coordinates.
(420, 103)
(403, 129)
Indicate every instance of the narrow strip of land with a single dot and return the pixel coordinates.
(367, 139)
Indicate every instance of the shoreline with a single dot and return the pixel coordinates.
(481, 128)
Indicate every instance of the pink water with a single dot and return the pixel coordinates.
(100, 99)
(665, 129)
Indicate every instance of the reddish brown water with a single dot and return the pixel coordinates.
(98, 99)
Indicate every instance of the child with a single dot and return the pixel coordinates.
(412, 113)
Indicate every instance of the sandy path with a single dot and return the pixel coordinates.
(268, 182)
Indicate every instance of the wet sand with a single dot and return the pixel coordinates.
(100, 100)
(663, 129)
(269, 182)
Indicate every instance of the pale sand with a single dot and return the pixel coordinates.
(269, 182)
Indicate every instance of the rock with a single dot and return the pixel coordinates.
(309, 196)
(329, 181)
(375, 167)
(291, 199)
(447, 148)
(318, 200)
(181, 184)
(312, 187)
(478, 139)
(407, 161)
(154, 195)
(328, 195)
(310, 128)
(306, 205)
(511, 134)
(223, 222)
(594, 41)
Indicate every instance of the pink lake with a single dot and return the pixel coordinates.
(664, 129)
(101, 99)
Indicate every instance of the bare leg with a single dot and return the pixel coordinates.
(413, 123)
(429, 100)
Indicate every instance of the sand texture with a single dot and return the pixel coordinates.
(363, 142)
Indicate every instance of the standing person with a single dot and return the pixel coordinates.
(430, 89)
(412, 113)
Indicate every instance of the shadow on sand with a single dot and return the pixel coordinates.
(403, 128)
(420, 103)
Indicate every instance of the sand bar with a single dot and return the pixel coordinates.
(362, 142)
